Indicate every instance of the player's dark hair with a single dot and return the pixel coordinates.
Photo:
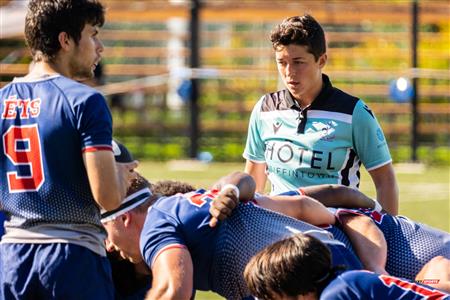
(170, 187)
(46, 19)
(294, 266)
(300, 30)
(138, 184)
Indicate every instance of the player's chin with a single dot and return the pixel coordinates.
(132, 259)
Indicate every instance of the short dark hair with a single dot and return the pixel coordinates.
(294, 266)
(140, 183)
(171, 187)
(46, 19)
(300, 30)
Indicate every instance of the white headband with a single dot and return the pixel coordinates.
(128, 204)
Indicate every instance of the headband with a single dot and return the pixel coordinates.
(128, 204)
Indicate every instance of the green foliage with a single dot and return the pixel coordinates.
(433, 156)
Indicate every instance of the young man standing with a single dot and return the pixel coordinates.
(312, 133)
(56, 165)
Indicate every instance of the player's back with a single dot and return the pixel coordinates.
(249, 230)
(367, 285)
(45, 125)
(410, 244)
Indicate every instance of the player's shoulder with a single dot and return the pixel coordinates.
(279, 100)
(181, 204)
(75, 90)
(358, 275)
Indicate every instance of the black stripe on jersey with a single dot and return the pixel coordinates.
(345, 172)
(329, 99)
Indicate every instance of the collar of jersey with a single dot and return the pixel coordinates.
(35, 79)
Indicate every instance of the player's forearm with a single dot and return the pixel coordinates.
(387, 195)
(166, 293)
(314, 212)
(386, 187)
(101, 171)
(367, 240)
(257, 171)
(243, 181)
(302, 207)
(334, 195)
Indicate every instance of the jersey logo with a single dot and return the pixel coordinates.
(200, 197)
(415, 288)
(26, 108)
(276, 127)
(325, 130)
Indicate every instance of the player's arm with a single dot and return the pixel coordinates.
(301, 207)
(235, 187)
(108, 181)
(335, 195)
(374, 154)
(367, 240)
(172, 275)
(386, 186)
(258, 172)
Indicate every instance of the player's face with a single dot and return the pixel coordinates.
(86, 54)
(123, 239)
(301, 73)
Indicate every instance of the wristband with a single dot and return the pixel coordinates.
(233, 187)
(378, 206)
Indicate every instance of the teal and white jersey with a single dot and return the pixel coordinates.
(323, 143)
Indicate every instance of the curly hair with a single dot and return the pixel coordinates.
(171, 187)
(300, 30)
(46, 19)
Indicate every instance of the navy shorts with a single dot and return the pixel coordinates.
(53, 271)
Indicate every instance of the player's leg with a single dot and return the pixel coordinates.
(88, 273)
(367, 240)
(436, 273)
(54, 271)
(19, 280)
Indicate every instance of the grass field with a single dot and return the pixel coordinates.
(424, 192)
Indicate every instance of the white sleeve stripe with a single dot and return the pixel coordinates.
(379, 165)
(167, 247)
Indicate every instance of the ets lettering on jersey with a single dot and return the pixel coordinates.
(24, 108)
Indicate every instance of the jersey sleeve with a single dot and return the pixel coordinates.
(95, 124)
(161, 231)
(368, 138)
(255, 147)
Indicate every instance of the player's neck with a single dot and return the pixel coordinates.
(46, 68)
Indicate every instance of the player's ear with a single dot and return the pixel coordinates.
(323, 60)
(64, 41)
(126, 219)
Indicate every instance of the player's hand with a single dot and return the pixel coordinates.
(126, 174)
(222, 206)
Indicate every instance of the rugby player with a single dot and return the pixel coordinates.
(57, 165)
(159, 234)
(299, 267)
(184, 252)
(403, 251)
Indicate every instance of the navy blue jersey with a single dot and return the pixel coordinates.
(410, 244)
(45, 126)
(367, 285)
(219, 254)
